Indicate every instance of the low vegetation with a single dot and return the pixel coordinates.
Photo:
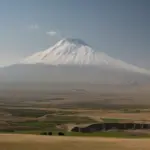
(26, 112)
(114, 120)
(115, 134)
(44, 120)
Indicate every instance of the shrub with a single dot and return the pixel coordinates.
(43, 133)
(61, 133)
(50, 133)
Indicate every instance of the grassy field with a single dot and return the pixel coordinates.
(115, 120)
(114, 134)
(33, 142)
(108, 134)
(38, 120)
(27, 120)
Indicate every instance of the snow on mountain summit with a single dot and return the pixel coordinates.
(72, 51)
(67, 51)
(72, 41)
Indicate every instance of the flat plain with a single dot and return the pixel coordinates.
(34, 142)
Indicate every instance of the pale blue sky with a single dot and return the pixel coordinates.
(120, 28)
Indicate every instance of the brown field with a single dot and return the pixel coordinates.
(99, 114)
(34, 142)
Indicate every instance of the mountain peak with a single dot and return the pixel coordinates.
(74, 41)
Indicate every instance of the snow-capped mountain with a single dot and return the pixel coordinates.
(71, 51)
(72, 60)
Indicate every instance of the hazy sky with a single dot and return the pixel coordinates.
(120, 28)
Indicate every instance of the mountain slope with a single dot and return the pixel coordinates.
(77, 52)
(72, 60)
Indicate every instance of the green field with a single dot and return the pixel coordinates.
(113, 134)
(114, 120)
(26, 112)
